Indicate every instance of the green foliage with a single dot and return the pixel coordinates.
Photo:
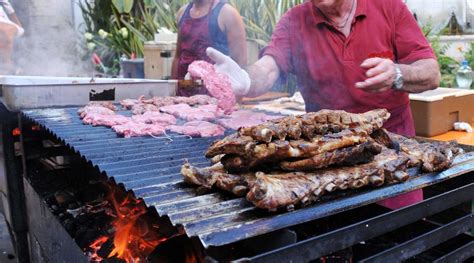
(261, 17)
(118, 27)
(448, 66)
(142, 18)
(123, 6)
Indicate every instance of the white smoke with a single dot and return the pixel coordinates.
(51, 44)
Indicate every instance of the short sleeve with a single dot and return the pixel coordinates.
(410, 43)
(280, 45)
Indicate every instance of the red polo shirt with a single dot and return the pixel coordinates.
(327, 64)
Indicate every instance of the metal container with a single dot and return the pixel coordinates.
(26, 92)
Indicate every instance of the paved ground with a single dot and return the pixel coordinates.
(6, 249)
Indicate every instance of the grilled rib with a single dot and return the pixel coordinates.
(276, 151)
(232, 144)
(433, 156)
(362, 153)
(321, 122)
(273, 191)
(218, 177)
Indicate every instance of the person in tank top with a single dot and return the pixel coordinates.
(207, 23)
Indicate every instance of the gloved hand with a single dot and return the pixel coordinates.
(20, 31)
(239, 78)
(7, 7)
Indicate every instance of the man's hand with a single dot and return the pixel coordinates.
(380, 75)
(239, 78)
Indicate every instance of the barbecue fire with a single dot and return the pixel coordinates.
(134, 238)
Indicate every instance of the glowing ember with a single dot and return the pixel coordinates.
(135, 238)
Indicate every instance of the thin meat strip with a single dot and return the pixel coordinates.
(186, 112)
(136, 129)
(198, 128)
(155, 117)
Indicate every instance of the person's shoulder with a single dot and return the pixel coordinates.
(180, 12)
(228, 9)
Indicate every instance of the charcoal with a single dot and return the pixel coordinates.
(63, 197)
(70, 226)
(106, 248)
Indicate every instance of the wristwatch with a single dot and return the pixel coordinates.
(398, 82)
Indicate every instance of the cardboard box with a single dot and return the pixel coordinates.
(435, 111)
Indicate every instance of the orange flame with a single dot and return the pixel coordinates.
(95, 246)
(134, 238)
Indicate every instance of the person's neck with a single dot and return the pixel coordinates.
(340, 9)
(202, 3)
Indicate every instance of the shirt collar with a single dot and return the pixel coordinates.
(318, 18)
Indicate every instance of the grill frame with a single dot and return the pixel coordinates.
(236, 219)
(296, 249)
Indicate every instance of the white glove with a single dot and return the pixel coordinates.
(20, 31)
(239, 78)
(7, 7)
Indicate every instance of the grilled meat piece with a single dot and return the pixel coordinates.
(432, 156)
(217, 176)
(382, 137)
(320, 122)
(232, 144)
(273, 191)
(362, 153)
(277, 151)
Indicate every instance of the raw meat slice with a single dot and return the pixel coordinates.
(94, 109)
(108, 120)
(135, 129)
(186, 112)
(141, 108)
(218, 85)
(176, 109)
(155, 117)
(245, 118)
(129, 103)
(198, 128)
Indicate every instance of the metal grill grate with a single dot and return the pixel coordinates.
(151, 168)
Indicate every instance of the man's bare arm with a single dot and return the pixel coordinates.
(234, 27)
(419, 76)
(263, 75)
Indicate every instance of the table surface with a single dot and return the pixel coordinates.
(460, 136)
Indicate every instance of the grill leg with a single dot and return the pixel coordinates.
(14, 188)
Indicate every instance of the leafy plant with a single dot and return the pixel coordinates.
(116, 28)
(261, 17)
(448, 65)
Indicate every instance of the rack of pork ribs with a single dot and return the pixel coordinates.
(292, 161)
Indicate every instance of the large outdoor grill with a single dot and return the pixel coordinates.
(226, 227)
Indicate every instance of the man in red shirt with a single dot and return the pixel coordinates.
(353, 55)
